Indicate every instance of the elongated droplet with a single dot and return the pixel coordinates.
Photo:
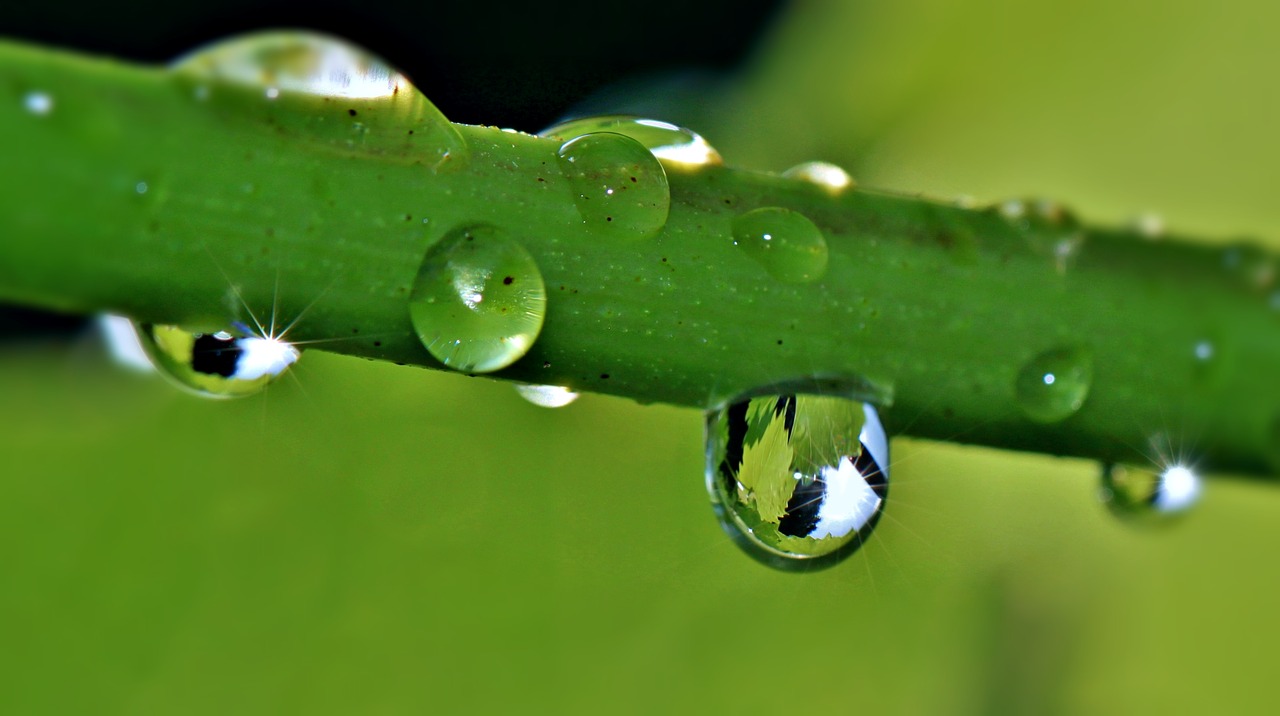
(784, 242)
(479, 300)
(547, 396)
(799, 481)
(1149, 494)
(216, 365)
(620, 190)
(346, 96)
(1053, 385)
(828, 176)
(675, 146)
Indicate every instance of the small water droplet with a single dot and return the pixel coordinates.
(1203, 351)
(38, 103)
(1254, 267)
(547, 396)
(799, 481)
(1149, 226)
(619, 188)
(1150, 494)
(478, 301)
(216, 365)
(140, 187)
(677, 146)
(784, 242)
(1052, 386)
(1049, 228)
(828, 176)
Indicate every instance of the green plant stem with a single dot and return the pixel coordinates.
(933, 308)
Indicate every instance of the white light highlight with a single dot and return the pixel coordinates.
(38, 103)
(547, 396)
(123, 343)
(263, 357)
(1179, 489)
(849, 502)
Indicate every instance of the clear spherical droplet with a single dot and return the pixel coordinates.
(219, 364)
(619, 188)
(547, 396)
(799, 481)
(1053, 385)
(675, 146)
(478, 301)
(828, 176)
(1147, 493)
(784, 242)
(38, 103)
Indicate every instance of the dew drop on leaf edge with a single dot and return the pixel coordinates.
(218, 364)
(828, 176)
(1053, 385)
(674, 145)
(1152, 494)
(479, 300)
(546, 396)
(798, 481)
(786, 243)
(619, 188)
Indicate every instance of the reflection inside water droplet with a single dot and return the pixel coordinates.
(619, 188)
(784, 242)
(547, 396)
(478, 301)
(672, 144)
(1053, 385)
(799, 481)
(218, 364)
(1150, 494)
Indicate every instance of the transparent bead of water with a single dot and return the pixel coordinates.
(676, 146)
(785, 242)
(478, 301)
(216, 364)
(830, 177)
(547, 396)
(798, 480)
(1150, 493)
(620, 189)
(38, 103)
(1052, 386)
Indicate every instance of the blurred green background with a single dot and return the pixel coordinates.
(374, 539)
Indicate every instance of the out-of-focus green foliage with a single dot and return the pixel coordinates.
(375, 539)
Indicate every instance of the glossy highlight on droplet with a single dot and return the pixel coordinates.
(620, 189)
(799, 481)
(786, 243)
(1150, 494)
(1053, 385)
(216, 364)
(676, 146)
(38, 103)
(830, 177)
(478, 301)
(547, 396)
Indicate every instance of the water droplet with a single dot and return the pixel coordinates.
(677, 146)
(38, 103)
(1049, 228)
(828, 176)
(123, 344)
(1053, 385)
(479, 301)
(140, 187)
(784, 242)
(1149, 226)
(1147, 493)
(547, 396)
(1254, 267)
(291, 70)
(1203, 351)
(619, 188)
(216, 365)
(798, 480)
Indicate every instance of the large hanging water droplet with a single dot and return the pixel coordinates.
(676, 146)
(1053, 385)
(547, 396)
(1149, 494)
(478, 301)
(830, 177)
(345, 95)
(784, 242)
(216, 365)
(619, 188)
(799, 481)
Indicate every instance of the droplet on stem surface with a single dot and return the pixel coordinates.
(826, 175)
(1048, 227)
(799, 481)
(1054, 385)
(478, 301)
(367, 104)
(38, 103)
(785, 242)
(619, 188)
(673, 145)
(217, 364)
(1150, 494)
(547, 396)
